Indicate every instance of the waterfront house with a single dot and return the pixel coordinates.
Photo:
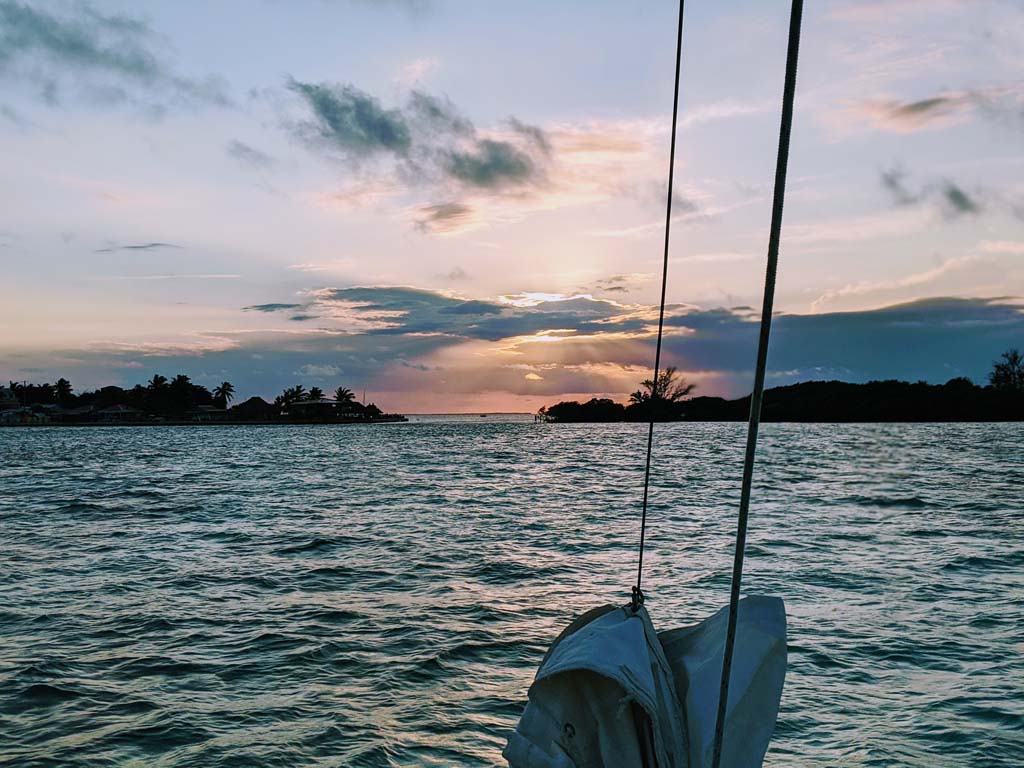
(313, 409)
(207, 413)
(121, 413)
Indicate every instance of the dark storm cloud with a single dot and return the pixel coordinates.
(43, 47)
(136, 247)
(428, 139)
(249, 155)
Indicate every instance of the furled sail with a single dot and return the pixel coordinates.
(613, 693)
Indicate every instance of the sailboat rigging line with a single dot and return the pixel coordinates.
(788, 92)
(638, 595)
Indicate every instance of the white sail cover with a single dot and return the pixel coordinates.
(611, 693)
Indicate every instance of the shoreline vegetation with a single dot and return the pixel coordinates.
(178, 401)
(959, 399)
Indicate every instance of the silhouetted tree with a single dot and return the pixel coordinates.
(315, 393)
(29, 394)
(157, 383)
(1008, 372)
(670, 388)
(344, 395)
(224, 393)
(63, 390)
(290, 395)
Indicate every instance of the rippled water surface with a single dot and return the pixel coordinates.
(381, 595)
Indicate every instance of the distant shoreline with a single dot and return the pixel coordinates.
(104, 424)
(820, 402)
(224, 423)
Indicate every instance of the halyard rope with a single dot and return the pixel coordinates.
(638, 595)
(762, 359)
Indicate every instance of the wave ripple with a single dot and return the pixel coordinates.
(381, 595)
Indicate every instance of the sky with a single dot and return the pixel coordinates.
(459, 206)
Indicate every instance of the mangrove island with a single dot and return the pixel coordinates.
(959, 399)
(178, 401)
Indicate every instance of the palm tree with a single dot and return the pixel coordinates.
(668, 389)
(224, 393)
(291, 395)
(63, 390)
(344, 396)
(158, 382)
(315, 393)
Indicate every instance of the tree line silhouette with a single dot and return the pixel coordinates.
(181, 398)
(959, 399)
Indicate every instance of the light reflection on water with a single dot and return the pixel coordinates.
(381, 595)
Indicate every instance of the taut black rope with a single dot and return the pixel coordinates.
(762, 359)
(638, 595)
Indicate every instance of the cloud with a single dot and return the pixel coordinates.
(398, 310)
(944, 109)
(1011, 247)
(951, 199)
(443, 217)
(427, 143)
(531, 132)
(350, 121)
(90, 40)
(425, 155)
(417, 69)
(249, 155)
(322, 371)
(893, 180)
(958, 200)
(621, 283)
(107, 55)
(434, 116)
(176, 276)
(415, 343)
(909, 117)
(491, 164)
(136, 247)
(270, 307)
(721, 110)
(908, 281)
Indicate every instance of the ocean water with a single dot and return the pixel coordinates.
(381, 595)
